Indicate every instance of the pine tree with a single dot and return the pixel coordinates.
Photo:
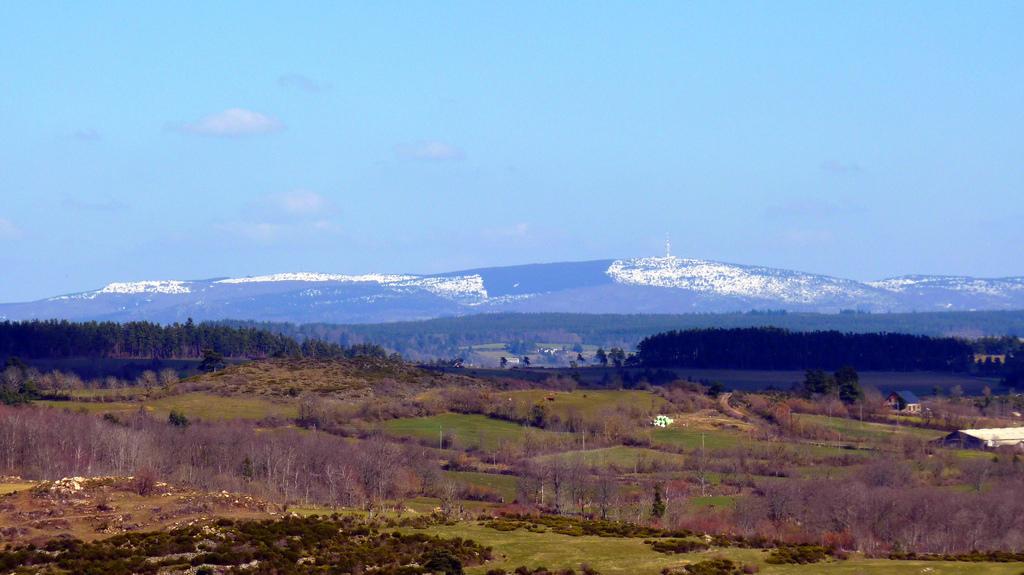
(658, 507)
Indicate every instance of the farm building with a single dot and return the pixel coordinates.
(904, 402)
(985, 438)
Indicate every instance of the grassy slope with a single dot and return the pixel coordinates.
(868, 432)
(713, 439)
(355, 377)
(196, 405)
(39, 515)
(468, 430)
(615, 556)
(589, 402)
(269, 388)
(504, 484)
(619, 455)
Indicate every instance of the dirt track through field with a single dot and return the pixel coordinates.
(728, 409)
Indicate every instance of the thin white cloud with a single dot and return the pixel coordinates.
(430, 150)
(234, 122)
(300, 203)
(839, 167)
(86, 135)
(8, 230)
(303, 83)
(293, 215)
(106, 205)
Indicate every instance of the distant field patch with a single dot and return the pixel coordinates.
(194, 405)
(588, 402)
(608, 555)
(466, 430)
(620, 456)
(713, 501)
(622, 556)
(679, 437)
(506, 485)
(856, 431)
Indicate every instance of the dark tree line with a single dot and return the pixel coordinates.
(144, 340)
(773, 348)
(450, 336)
(1014, 370)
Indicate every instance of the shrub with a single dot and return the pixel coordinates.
(144, 481)
(177, 419)
(798, 554)
(444, 562)
(713, 567)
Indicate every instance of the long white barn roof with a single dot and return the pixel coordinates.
(997, 434)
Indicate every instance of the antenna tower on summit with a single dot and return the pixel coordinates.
(668, 246)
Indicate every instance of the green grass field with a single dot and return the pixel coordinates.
(6, 488)
(477, 431)
(588, 402)
(622, 556)
(194, 405)
(713, 439)
(851, 430)
(620, 456)
(124, 393)
(506, 485)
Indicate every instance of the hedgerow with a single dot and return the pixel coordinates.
(973, 557)
(798, 554)
(677, 545)
(710, 567)
(580, 527)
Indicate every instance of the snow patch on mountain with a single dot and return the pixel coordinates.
(318, 277)
(997, 287)
(175, 287)
(166, 287)
(732, 280)
(452, 287)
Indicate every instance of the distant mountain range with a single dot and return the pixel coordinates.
(638, 285)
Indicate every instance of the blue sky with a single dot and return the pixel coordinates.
(196, 140)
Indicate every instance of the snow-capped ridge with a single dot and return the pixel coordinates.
(148, 286)
(997, 287)
(731, 279)
(471, 286)
(317, 277)
(631, 285)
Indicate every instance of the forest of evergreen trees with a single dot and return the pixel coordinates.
(448, 337)
(773, 348)
(144, 340)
